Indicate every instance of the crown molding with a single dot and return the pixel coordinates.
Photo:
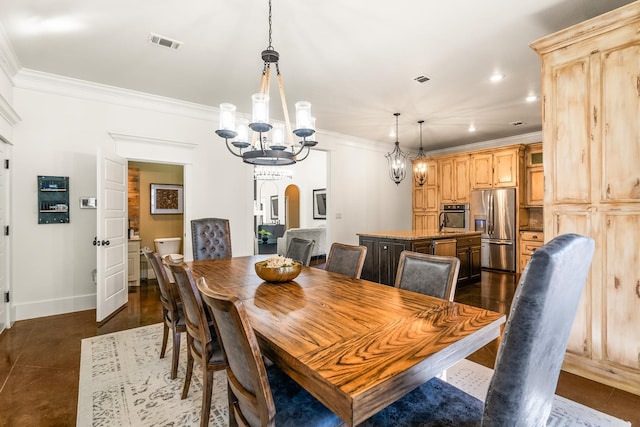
(8, 113)
(75, 88)
(8, 59)
(525, 138)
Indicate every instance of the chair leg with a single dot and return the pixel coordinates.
(176, 354)
(187, 377)
(207, 389)
(232, 400)
(165, 336)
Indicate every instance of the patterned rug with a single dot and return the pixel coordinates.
(123, 382)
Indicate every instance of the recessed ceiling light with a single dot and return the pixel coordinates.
(531, 98)
(472, 128)
(497, 77)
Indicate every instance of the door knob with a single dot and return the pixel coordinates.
(106, 243)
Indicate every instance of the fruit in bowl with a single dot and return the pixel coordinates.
(278, 269)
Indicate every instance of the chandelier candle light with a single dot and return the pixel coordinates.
(397, 160)
(277, 152)
(420, 163)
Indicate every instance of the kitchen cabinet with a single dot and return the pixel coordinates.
(454, 179)
(534, 181)
(425, 200)
(590, 77)
(497, 168)
(529, 242)
(383, 252)
(468, 252)
(133, 262)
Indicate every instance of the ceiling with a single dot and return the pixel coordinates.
(354, 60)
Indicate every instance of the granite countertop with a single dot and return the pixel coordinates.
(419, 234)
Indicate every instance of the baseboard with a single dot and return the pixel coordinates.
(31, 310)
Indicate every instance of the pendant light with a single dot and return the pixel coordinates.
(397, 160)
(420, 163)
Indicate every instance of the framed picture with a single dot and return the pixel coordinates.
(166, 199)
(274, 207)
(88, 202)
(320, 203)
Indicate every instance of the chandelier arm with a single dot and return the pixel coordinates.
(305, 156)
(226, 142)
(285, 110)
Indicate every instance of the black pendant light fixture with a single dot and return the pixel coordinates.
(397, 160)
(257, 150)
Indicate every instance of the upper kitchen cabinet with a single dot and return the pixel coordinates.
(534, 182)
(425, 200)
(498, 168)
(454, 179)
(591, 133)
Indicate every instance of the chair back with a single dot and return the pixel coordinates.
(427, 274)
(194, 313)
(300, 250)
(346, 259)
(210, 238)
(250, 394)
(535, 338)
(169, 296)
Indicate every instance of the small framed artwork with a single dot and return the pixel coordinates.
(274, 207)
(166, 199)
(88, 203)
(320, 203)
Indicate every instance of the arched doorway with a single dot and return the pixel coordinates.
(292, 206)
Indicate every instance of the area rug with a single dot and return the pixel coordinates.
(123, 382)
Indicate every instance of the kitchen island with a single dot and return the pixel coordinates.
(384, 248)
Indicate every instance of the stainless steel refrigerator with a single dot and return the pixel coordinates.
(493, 212)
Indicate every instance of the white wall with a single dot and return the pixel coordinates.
(65, 121)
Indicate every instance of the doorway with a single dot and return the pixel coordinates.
(292, 206)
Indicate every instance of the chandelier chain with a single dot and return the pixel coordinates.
(270, 46)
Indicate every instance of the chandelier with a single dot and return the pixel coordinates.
(397, 160)
(266, 173)
(420, 163)
(257, 150)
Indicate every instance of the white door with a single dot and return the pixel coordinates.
(110, 242)
(4, 240)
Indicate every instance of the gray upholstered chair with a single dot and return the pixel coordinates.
(172, 313)
(202, 341)
(427, 274)
(259, 396)
(530, 356)
(346, 259)
(300, 250)
(211, 238)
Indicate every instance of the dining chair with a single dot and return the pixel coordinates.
(346, 259)
(210, 238)
(530, 355)
(202, 341)
(428, 274)
(300, 250)
(172, 313)
(259, 396)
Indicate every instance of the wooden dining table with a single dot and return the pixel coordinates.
(357, 346)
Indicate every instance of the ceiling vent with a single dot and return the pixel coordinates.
(516, 123)
(422, 79)
(164, 41)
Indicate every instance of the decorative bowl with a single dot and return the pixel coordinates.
(278, 274)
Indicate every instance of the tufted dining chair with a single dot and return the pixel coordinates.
(530, 355)
(346, 259)
(259, 396)
(210, 238)
(202, 341)
(172, 313)
(428, 274)
(300, 250)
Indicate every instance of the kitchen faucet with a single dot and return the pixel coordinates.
(442, 220)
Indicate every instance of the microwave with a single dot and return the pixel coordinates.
(454, 217)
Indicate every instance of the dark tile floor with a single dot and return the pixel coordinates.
(40, 358)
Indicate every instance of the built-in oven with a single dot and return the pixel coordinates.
(454, 217)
